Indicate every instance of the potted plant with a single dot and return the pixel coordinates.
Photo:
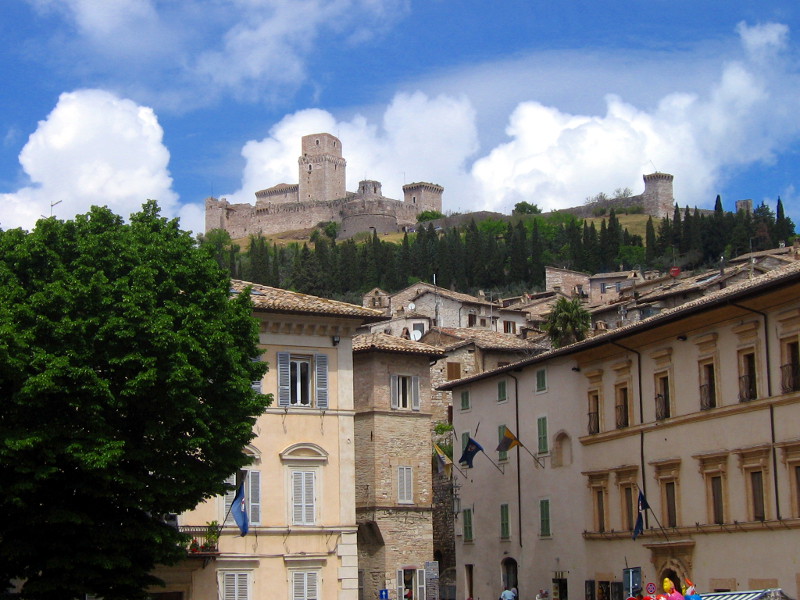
(212, 536)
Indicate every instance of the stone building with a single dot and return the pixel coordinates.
(695, 407)
(392, 441)
(657, 199)
(320, 197)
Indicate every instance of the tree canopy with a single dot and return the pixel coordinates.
(568, 322)
(125, 385)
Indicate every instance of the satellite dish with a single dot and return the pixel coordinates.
(416, 335)
(411, 306)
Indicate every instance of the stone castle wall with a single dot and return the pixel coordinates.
(657, 199)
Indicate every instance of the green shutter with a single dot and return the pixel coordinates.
(544, 518)
(501, 434)
(504, 527)
(465, 400)
(467, 516)
(501, 391)
(541, 427)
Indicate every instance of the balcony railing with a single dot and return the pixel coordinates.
(594, 422)
(747, 388)
(708, 396)
(790, 377)
(662, 407)
(622, 415)
(203, 540)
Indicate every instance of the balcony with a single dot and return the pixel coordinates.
(594, 423)
(662, 407)
(790, 377)
(621, 411)
(747, 388)
(203, 540)
(708, 396)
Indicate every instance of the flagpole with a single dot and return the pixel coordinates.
(496, 466)
(536, 458)
(660, 526)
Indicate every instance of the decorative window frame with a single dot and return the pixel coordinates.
(790, 455)
(710, 465)
(595, 379)
(748, 342)
(755, 458)
(303, 457)
(626, 478)
(668, 471)
(597, 482)
(708, 354)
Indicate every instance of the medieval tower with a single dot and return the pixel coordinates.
(322, 169)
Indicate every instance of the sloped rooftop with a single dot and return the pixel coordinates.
(382, 342)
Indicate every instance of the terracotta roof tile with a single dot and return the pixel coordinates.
(391, 343)
(484, 338)
(273, 299)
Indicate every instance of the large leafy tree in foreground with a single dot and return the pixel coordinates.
(125, 373)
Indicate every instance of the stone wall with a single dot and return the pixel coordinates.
(568, 282)
(657, 199)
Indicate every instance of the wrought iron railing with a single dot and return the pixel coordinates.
(747, 388)
(790, 377)
(594, 422)
(708, 396)
(622, 415)
(662, 407)
(203, 540)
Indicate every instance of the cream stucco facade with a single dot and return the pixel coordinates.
(697, 407)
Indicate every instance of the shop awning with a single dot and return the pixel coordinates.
(769, 594)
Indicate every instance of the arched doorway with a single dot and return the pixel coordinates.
(509, 573)
(673, 576)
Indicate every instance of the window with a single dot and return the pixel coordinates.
(252, 497)
(405, 487)
(466, 514)
(667, 472)
(756, 482)
(501, 391)
(600, 509)
(662, 397)
(411, 584)
(717, 505)
(541, 431)
(302, 379)
(418, 327)
(235, 586)
(472, 320)
(790, 367)
(544, 518)
(747, 375)
(598, 486)
(465, 400)
(303, 497)
(305, 585)
(541, 380)
(509, 327)
(708, 386)
(501, 435)
(714, 468)
(405, 392)
(628, 507)
(791, 458)
(622, 406)
(594, 412)
(504, 525)
(453, 371)
(464, 441)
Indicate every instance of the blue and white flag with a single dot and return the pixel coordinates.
(239, 509)
(470, 451)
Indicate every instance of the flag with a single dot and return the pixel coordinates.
(470, 451)
(239, 507)
(443, 461)
(643, 506)
(508, 442)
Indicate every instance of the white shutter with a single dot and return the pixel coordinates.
(298, 586)
(297, 498)
(234, 586)
(254, 497)
(229, 499)
(415, 392)
(393, 388)
(241, 586)
(321, 365)
(309, 498)
(311, 586)
(420, 595)
(284, 379)
(400, 588)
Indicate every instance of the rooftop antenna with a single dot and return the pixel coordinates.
(655, 169)
(52, 204)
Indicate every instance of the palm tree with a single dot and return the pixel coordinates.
(567, 323)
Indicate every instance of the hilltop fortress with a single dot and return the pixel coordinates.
(321, 197)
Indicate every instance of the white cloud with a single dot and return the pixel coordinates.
(94, 148)
(420, 139)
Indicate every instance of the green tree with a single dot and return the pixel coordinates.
(526, 208)
(125, 373)
(429, 215)
(567, 323)
(784, 227)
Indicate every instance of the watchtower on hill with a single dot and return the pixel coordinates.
(322, 169)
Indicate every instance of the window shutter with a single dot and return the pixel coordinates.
(321, 365)
(241, 586)
(311, 586)
(234, 586)
(297, 498)
(415, 392)
(256, 384)
(400, 586)
(229, 498)
(541, 425)
(254, 497)
(229, 586)
(309, 497)
(284, 379)
(393, 387)
(298, 586)
(420, 595)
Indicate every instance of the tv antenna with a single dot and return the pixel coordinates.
(52, 204)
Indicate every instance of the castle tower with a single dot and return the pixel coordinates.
(423, 196)
(322, 169)
(369, 189)
(657, 197)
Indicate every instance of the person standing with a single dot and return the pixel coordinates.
(507, 594)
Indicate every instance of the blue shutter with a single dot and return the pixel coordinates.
(284, 379)
(321, 365)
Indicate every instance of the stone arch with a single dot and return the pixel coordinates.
(304, 452)
(562, 449)
(673, 569)
(509, 571)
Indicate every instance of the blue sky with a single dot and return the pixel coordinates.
(114, 101)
